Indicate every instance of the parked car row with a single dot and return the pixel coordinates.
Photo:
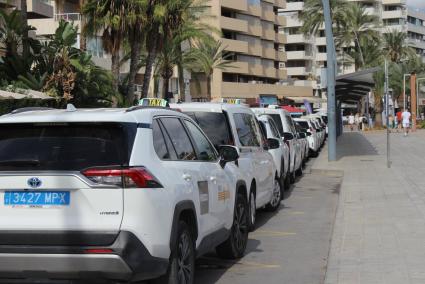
(140, 193)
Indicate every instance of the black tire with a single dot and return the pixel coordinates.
(252, 209)
(287, 182)
(182, 253)
(274, 204)
(299, 172)
(234, 247)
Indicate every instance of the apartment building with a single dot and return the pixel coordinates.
(37, 9)
(416, 30)
(250, 32)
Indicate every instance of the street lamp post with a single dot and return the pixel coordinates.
(387, 120)
(404, 90)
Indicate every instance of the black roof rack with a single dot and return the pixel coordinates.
(134, 108)
(27, 109)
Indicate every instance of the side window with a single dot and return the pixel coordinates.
(159, 141)
(273, 129)
(263, 129)
(206, 150)
(179, 138)
(247, 130)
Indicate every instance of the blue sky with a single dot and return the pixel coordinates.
(416, 3)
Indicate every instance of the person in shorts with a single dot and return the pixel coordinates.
(351, 121)
(406, 121)
(399, 120)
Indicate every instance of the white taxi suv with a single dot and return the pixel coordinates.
(118, 194)
(236, 124)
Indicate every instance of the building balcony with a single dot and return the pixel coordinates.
(268, 15)
(294, 6)
(391, 28)
(306, 83)
(281, 56)
(320, 40)
(254, 10)
(48, 26)
(255, 30)
(298, 55)
(238, 68)
(394, 2)
(417, 43)
(280, 20)
(292, 22)
(233, 24)
(255, 49)
(270, 72)
(235, 45)
(256, 70)
(281, 74)
(250, 90)
(321, 56)
(397, 14)
(269, 53)
(269, 34)
(235, 5)
(298, 71)
(39, 9)
(281, 4)
(280, 38)
(416, 29)
(297, 38)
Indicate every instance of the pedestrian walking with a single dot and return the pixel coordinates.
(351, 121)
(406, 121)
(391, 121)
(399, 120)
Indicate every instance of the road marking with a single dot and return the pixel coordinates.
(229, 265)
(265, 233)
(296, 213)
(252, 265)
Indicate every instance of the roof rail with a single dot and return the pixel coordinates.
(134, 108)
(27, 109)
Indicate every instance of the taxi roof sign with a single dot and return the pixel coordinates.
(153, 102)
(231, 101)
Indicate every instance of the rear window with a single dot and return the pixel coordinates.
(65, 146)
(303, 124)
(215, 126)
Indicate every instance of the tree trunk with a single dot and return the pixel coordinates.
(136, 46)
(182, 85)
(209, 87)
(150, 60)
(24, 15)
(83, 39)
(115, 67)
(165, 87)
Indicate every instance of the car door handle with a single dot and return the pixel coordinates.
(213, 180)
(187, 177)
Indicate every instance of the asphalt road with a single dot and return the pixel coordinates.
(289, 246)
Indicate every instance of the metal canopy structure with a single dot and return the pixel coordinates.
(352, 88)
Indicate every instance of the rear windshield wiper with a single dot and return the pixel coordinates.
(20, 163)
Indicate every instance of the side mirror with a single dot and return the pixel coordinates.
(308, 133)
(228, 154)
(288, 136)
(273, 143)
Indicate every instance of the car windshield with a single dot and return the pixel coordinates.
(215, 125)
(64, 146)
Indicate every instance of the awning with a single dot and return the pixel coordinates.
(313, 100)
(27, 94)
(354, 86)
(292, 109)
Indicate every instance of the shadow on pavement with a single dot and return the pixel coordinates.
(354, 144)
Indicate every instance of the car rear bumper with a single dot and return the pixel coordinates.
(126, 259)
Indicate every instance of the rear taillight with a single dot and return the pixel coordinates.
(98, 251)
(127, 177)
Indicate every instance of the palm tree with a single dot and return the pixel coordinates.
(205, 58)
(24, 15)
(313, 18)
(395, 47)
(110, 18)
(359, 28)
(83, 38)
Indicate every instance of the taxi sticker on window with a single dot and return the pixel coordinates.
(153, 102)
(231, 101)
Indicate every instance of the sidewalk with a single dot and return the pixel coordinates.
(379, 231)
